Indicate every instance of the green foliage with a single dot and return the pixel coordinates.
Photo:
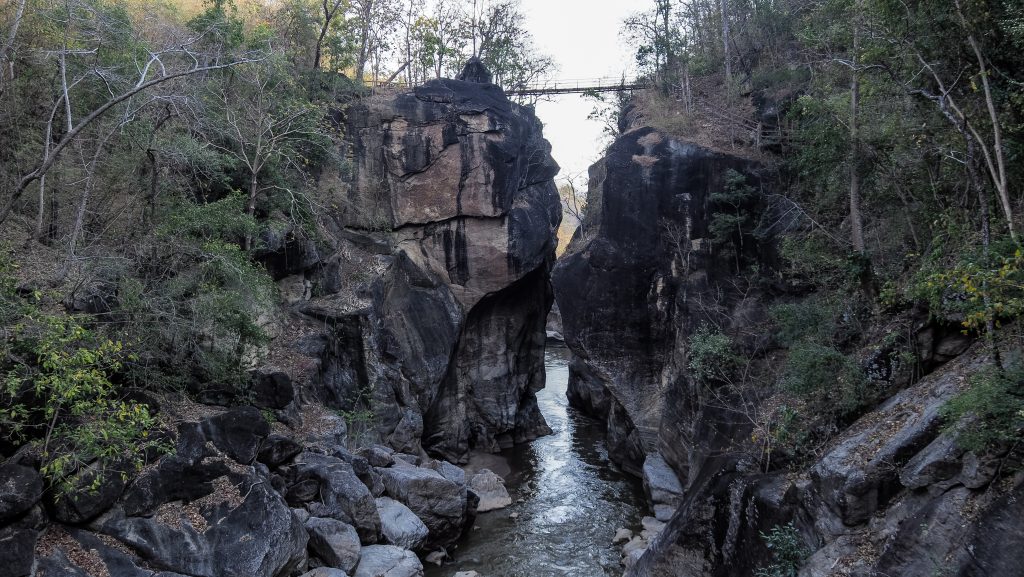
(990, 413)
(825, 377)
(974, 287)
(195, 309)
(731, 218)
(711, 356)
(788, 552)
(57, 390)
(812, 319)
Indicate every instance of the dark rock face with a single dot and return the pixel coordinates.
(338, 493)
(20, 489)
(630, 277)
(436, 299)
(224, 542)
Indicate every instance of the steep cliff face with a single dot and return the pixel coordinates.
(890, 493)
(639, 274)
(437, 292)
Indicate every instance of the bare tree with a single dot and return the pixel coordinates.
(158, 69)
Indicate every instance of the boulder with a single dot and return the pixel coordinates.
(278, 449)
(325, 572)
(388, 561)
(661, 483)
(339, 493)
(17, 546)
(92, 491)
(20, 488)
(400, 525)
(336, 543)
(490, 488)
(238, 432)
(438, 292)
(438, 502)
(242, 529)
(377, 455)
(271, 388)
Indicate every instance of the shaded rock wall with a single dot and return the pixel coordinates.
(891, 494)
(637, 278)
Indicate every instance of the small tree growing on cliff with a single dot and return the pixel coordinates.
(731, 218)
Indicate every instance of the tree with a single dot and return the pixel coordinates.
(257, 120)
(106, 89)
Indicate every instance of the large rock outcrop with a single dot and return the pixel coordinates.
(891, 493)
(637, 276)
(436, 295)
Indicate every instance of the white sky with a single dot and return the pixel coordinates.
(583, 38)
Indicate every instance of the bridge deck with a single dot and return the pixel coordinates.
(579, 87)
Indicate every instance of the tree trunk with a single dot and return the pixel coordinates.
(856, 220)
(725, 42)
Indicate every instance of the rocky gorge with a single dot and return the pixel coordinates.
(416, 329)
(412, 339)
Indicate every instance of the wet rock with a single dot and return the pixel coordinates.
(238, 432)
(340, 493)
(466, 574)
(400, 525)
(20, 488)
(278, 449)
(438, 502)
(336, 543)
(490, 488)
(622, 535)
(388, 561)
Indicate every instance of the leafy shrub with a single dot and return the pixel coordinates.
(811, 319)
(57, 392)
(194, 305)
(788, 552)
(825, 377)
(974, 287)
(990, 412)
(711, 357)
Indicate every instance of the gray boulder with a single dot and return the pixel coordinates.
(325, 572)
(490, 488)
(662, 486)
(336, 543)
(400, 525)
(339, 493)
(388, 561)
(438, 502)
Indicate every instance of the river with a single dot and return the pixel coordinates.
(573, 498)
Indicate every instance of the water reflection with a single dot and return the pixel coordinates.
(574, 499)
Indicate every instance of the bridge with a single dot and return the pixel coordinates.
(578, 86)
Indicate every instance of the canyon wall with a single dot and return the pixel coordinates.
(890, 493)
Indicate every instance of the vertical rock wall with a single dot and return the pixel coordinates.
(444, 202)
(635, 280)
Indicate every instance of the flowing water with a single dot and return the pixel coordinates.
(573, 499)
